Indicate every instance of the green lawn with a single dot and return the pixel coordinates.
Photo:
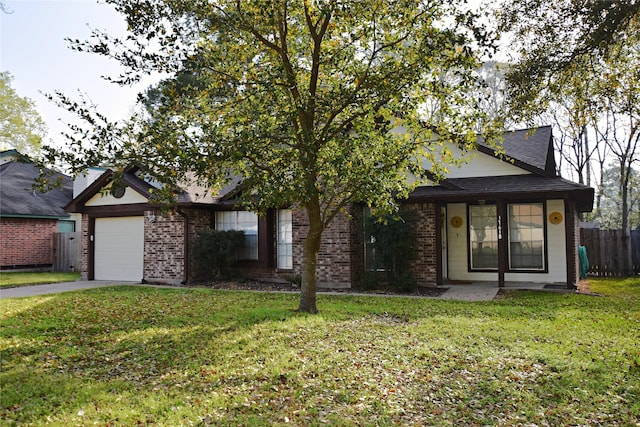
(11, 280)
(146, 356)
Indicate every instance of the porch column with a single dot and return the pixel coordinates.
(572, 240)
(503, 250)
(439, 224)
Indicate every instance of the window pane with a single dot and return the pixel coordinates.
(285, 239)
(483, 234)
(526, 236)
(65, 226)
(242, 221)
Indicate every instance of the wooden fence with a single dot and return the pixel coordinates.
(614, 253)
(67, 251)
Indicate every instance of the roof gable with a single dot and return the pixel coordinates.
(521, 152)
(134, 179)
(529, 149)
(93, 194)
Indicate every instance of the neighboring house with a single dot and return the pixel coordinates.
(506, 218)
(29, 218)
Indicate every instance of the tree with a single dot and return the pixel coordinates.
(21, 127)
(594, 46)
(549, 38)
(297, 97)
(618, 96)
(609, 215)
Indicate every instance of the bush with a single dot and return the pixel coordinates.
(215, 252)
(393, 247)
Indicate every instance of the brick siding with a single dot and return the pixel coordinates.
(340, 260)
(424, 265)
(26, 242)
(84, 258)
(336, 250)
(163, 246)
(164, 251)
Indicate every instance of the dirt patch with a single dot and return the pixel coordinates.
(583, 287)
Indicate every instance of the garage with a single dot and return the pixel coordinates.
(119, 248)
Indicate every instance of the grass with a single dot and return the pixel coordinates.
(12, 280)
(147, 356)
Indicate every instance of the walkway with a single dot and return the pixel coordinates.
(484, 291)
(54, 288)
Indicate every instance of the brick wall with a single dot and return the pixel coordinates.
(336, 250)
(163, 246)
(26, 242)
(164, 250)
(84, 264)
(424, 265)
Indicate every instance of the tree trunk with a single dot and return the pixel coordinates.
(624, 193)
(587, 153)
(311, 247)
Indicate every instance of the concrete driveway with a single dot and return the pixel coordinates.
(56, 288)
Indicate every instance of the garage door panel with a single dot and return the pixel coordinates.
(119, 248)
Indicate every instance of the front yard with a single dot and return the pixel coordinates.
(12, 280)
(146, 356)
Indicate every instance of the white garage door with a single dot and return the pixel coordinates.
(119, 248)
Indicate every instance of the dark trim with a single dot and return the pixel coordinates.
(570, 243)
(25, 216)
(137, 209)
(265, 240)
(503, 241)
(91, 249)
(270, 238)
(439, 223)
(466, 196)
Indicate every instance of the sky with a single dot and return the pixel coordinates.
(33, 49)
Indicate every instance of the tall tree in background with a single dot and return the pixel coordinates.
(610, 215)
(21, 127)
(618, 97)
(552, 37)
(296, 97)
(591, 49)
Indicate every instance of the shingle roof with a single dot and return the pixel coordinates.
(17, 197)
(532, 149)
(507, 187)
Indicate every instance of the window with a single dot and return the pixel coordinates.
(285, 239)
(372, 262)
(526, 236)
(243, 221)
(483, 237)
(66, 226)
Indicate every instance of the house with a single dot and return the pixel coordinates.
(29, 218)
(500, 217)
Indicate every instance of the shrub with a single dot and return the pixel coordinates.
(215, 252)
(392, 247)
